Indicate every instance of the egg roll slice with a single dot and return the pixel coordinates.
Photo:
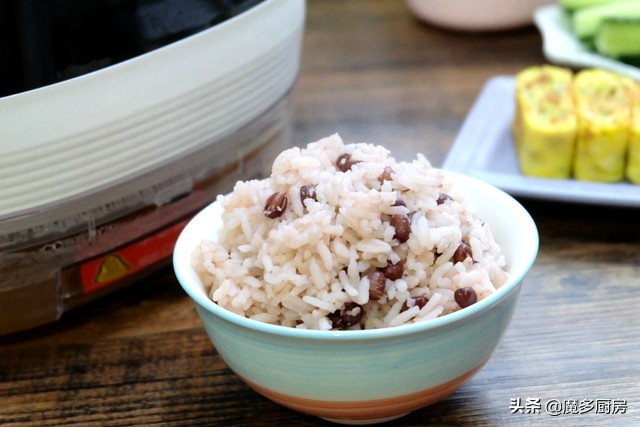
(544, 126)
(633, 157)
(603, 105)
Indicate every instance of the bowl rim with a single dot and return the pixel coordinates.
(187, 278)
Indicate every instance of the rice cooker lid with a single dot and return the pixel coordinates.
(55, 40)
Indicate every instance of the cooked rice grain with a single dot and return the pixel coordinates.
(298, 269)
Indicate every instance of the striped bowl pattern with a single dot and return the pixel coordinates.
(367, 411)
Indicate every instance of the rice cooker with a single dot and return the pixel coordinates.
(119, 120)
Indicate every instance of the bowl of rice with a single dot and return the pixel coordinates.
(354, 287)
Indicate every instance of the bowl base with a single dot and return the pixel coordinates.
(365, 422)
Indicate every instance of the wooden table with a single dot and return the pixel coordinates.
(372, 73)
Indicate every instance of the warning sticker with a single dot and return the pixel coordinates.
(105, 270)
(113, 267)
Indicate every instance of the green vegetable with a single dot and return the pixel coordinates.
(619, 38)
(587, 21)
(572, 5)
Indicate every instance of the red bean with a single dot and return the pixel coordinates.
(394, 271)
(420, 301)
(465, 297)
(385, 175)
(344, 162)
(276, 205)
(308, 192)
(443, 198)
(341, 161)
(336, 319)
(402, 224)
(463, 252)
(351, 314)
(377, 282)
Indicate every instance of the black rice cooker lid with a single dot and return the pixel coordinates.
(47, 41)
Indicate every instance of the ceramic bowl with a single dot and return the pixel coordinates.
(368, 376)
(476, 15)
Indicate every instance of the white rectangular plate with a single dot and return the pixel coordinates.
(484, 149)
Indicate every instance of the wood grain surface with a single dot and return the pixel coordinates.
(370, 72)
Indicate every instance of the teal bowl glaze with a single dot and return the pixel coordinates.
(363, 377)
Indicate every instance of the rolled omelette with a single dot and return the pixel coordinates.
(545, 124)
(603, 105)
(633, 158)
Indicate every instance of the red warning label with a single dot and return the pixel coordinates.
(107, 269)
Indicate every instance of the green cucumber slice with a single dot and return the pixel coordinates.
(585, 22)
(619, 38)
(572, 5)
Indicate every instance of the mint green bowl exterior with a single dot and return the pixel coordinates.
(374, 375)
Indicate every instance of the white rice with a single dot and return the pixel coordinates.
(297, 269)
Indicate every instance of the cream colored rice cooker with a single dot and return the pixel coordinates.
(104, 158)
